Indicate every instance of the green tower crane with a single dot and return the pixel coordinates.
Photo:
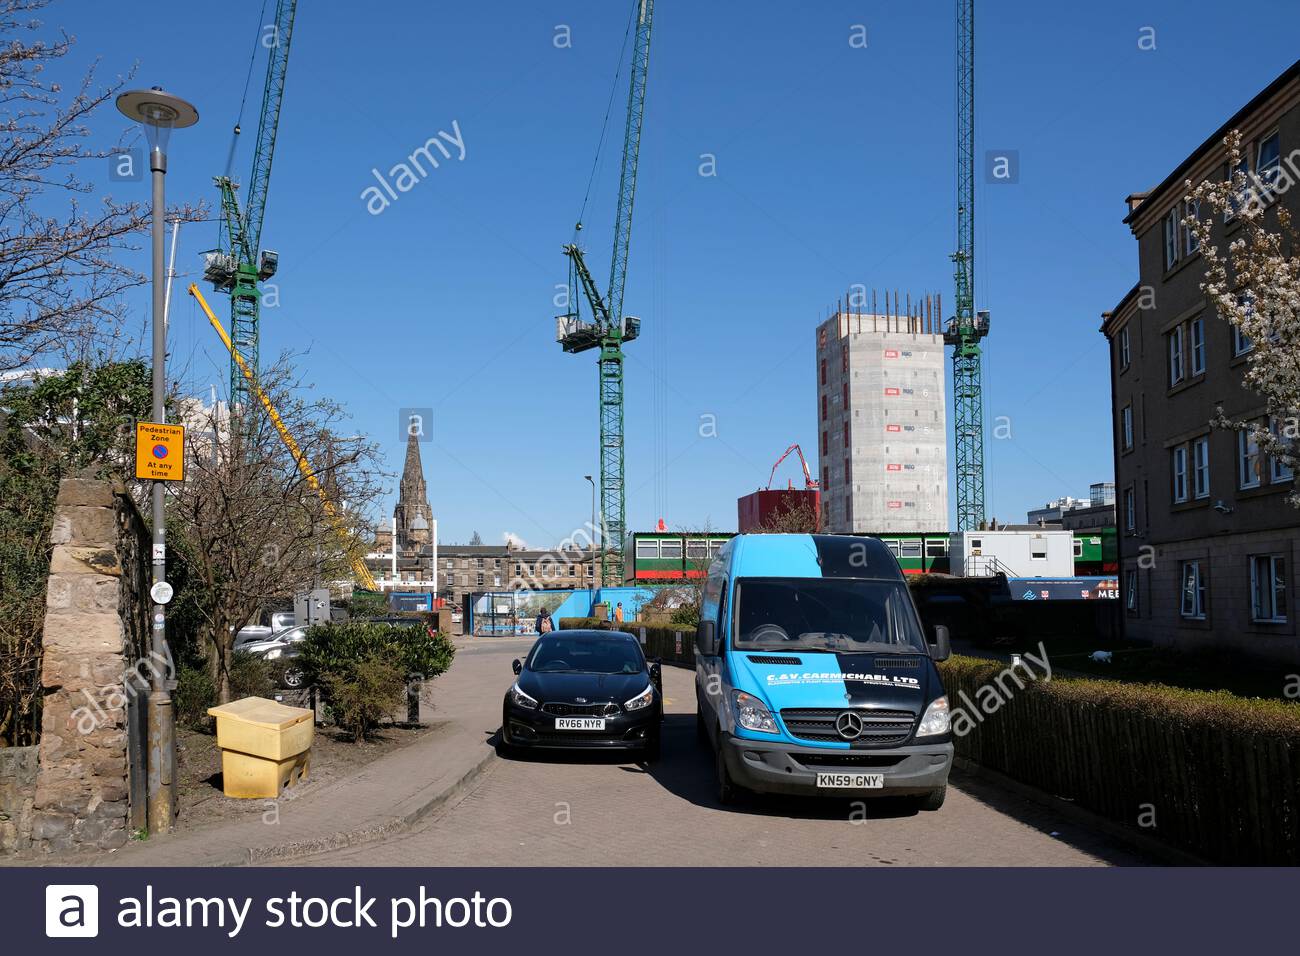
(967, 327)
(239, 263)
(609, 329)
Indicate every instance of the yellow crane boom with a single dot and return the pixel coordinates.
(362, 573)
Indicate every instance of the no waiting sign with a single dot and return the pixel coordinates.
(159, 452)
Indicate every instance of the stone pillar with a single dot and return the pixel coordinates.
(82, 790)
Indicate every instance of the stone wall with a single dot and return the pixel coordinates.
(94, 639)
(17, 783)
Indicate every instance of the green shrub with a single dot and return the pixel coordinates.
(687, 615)
(1217, 774)
(353, 663)
(417, 653)
(364, 692)
(194, 694)
(582, 623)
(251, 676)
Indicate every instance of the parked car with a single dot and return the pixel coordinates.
(271, 625)
(813, 674)
(584, 689)
(282, 650)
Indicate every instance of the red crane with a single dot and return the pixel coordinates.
(808, 482)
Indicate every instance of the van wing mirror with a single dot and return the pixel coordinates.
(706, 638)
(940, 643)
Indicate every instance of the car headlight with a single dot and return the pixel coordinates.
(642, 699)
(273, 654)
(935, 720)
(752, 713)
(522, 699)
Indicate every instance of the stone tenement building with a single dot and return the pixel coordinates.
(1207, 539)
(473, 569)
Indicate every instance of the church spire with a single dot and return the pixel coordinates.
(413, 471)
(412, 511)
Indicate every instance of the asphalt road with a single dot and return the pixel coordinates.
(585, 810)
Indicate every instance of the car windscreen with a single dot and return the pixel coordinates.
(554, 655)
(827, 614)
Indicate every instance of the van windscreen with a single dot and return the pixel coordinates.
(828, 614)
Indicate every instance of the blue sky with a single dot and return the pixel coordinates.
(835, 165)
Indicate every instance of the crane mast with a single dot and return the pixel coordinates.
(239, 263)
(967, 327)
(610, 329)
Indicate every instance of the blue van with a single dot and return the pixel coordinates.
(813, 674)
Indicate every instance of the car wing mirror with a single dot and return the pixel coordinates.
(516, 665)
(940, 643)
(706, 638)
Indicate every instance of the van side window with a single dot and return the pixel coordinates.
(711, 598)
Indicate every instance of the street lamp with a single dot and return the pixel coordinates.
(159, 113)
(592, 567)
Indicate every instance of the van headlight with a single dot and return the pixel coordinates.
(522, 699)
(642, 699)
(752, 713)
(935, 719)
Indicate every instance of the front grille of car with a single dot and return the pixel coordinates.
(774, 659)
(842, 759)
(880, 727)
(576, 738)
(581, 710)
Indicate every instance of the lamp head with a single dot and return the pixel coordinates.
(159, 112)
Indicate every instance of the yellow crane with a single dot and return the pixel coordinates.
(359, 570)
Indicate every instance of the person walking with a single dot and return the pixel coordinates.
(543, 624)
(618, 613)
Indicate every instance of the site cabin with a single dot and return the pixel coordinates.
(1037, 553)
(669, 556)
(1096, 552)
(919, 552)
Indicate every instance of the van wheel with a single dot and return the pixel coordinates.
(701, 731)
(932, 800)
(728, 792)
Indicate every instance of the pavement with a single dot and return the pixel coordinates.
(385, 798)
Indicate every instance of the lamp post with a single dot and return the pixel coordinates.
(592, 566)
(159, 113)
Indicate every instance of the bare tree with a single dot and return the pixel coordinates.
(61, 271)
(1254, 283)
(789, 518)
(248, 526)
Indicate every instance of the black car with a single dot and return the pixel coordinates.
(281, 652)
(585, 689)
